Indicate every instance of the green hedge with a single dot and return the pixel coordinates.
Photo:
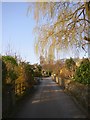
(82, 73)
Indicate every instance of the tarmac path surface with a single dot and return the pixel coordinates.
(48, 101)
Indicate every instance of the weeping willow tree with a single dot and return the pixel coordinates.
(60, 25)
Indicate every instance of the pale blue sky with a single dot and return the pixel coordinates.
(0, 27)
(17, 30)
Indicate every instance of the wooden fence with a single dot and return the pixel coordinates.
(20, 88)
(11, 94)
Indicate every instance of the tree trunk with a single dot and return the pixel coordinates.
(87, 6)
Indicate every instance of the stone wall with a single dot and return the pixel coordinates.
(80, 91)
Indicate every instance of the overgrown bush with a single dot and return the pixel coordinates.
(4, 73)
(65, 73)
(10, 59)
(37, 70)
(10, 63)
(29, 73)
(20, 71)
(70, 64)
(82, 73)
(57, 67)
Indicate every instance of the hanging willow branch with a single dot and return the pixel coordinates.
(65, 23)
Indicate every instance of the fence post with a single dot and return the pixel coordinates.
(20, 88)
(13, 94)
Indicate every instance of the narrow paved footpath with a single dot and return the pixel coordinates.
(49, 101)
